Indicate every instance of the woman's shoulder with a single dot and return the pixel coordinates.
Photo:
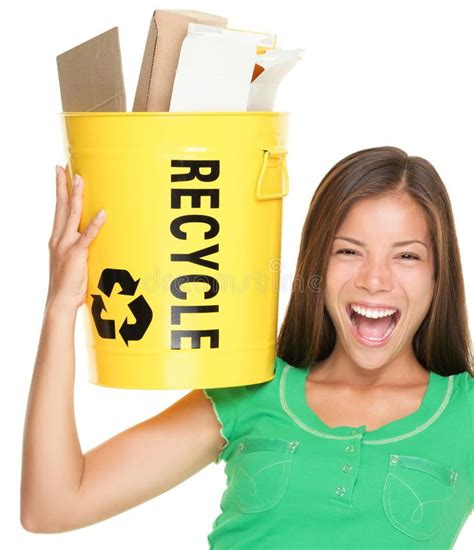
(465, 382)
(462, 382)
(235, 406)
(244, 391)
(268, 386)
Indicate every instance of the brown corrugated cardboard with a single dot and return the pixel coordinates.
(90, 75)
(168, 29)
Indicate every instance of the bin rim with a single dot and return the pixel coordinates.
(170, 114)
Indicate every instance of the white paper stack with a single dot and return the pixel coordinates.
(214, 71)
(216, 66)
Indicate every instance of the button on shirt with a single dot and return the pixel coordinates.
(294, 483)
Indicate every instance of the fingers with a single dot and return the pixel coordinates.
(75, 209)
(68, 213)
(90, 232)
(62, 205)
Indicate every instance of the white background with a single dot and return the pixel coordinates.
(374, 73)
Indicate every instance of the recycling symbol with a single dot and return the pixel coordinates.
(139, 306)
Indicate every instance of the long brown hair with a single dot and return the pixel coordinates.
(442, 342)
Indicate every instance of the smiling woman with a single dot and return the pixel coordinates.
(398, 272)
(395, 212)
(367, 426)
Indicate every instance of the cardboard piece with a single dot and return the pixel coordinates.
(90, 75)
(168, 28)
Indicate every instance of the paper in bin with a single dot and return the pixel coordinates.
(215, 69)
(276, 64)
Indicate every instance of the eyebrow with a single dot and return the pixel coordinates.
(399, 243)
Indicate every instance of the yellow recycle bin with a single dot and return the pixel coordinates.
(184, 275)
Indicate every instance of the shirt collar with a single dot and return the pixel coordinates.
(293, 402)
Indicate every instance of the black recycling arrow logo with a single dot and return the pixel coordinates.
(139, 306)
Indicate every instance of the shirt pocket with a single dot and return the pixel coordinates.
(416, 493)
(260, 472)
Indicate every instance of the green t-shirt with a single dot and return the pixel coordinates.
(295, 483)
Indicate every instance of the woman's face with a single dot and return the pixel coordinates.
(369, 266)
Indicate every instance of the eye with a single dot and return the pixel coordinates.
(351, 252)
(346, 250)
(411, 256)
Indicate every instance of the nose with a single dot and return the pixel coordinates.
(374, 276)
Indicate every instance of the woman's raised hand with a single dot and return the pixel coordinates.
(68, 248)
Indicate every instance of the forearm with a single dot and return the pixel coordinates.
(52, 457)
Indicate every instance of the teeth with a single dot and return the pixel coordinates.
(372, 313)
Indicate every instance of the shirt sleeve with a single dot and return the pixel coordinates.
(470, 400)
(227, 403)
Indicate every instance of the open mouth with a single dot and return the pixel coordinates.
(372, 331)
